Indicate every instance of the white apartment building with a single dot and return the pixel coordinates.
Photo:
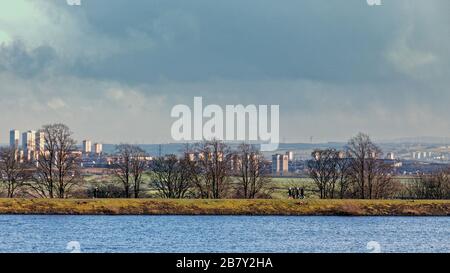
(87, 146)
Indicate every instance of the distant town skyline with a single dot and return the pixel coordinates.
(336, 68)
(18, 138)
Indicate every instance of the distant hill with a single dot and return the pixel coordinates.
(419, 140)
(178, 148)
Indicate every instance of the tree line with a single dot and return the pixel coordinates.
(359, 171)
(207, 170)
(51, 172)
(212, 171)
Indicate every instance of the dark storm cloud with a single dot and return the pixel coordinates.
(17, 59)
(244, 40)
(334, 67)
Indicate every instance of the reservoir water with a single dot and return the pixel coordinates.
(200, 234)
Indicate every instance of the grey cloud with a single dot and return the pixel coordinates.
(334, 67)
(15, 58)
(200, 40)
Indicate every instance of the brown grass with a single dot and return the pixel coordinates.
(225, 207)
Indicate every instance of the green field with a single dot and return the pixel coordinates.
(280, 185)
(225, 207)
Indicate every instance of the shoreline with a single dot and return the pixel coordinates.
(225, 207)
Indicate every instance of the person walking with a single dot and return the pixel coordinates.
(95, 192)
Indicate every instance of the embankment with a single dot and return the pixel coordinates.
(226, 207)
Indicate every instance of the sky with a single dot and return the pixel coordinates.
(113, 69)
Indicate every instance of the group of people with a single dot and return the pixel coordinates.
(296, 193)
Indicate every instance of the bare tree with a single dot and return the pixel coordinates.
(195, 173)
(374, 169)
(383, 185)
(13, 173)
(370, 175)
(360, 149)
(431, 186)
(214, 165)
(57, 166)
(171, 176)
(138, 166)
(323, 170)
(250, 167)
(122, 167)
(343, 165)
(129, 168)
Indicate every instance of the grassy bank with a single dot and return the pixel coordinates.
(225, 207)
